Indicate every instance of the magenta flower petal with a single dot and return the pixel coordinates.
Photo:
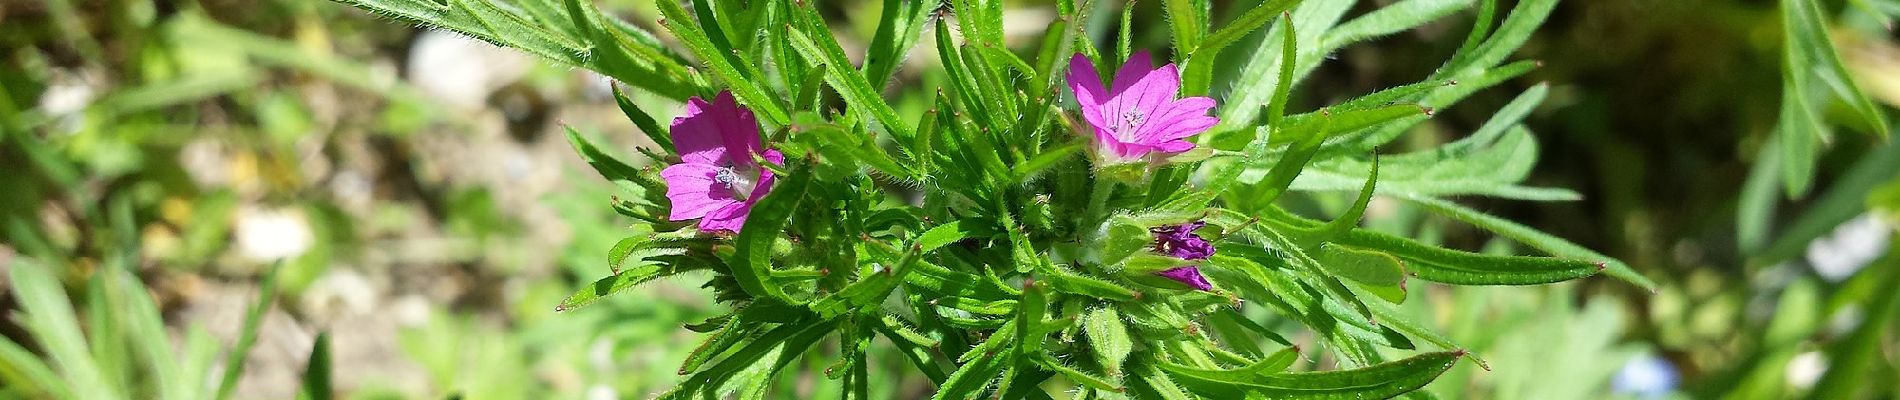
(727, 219)
(1139, 114)
(1190, 276)
(717, 179)
(1087, 86)
(696, 136)
(694, 191)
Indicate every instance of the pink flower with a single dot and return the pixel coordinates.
(1139, 114)
(717, 179)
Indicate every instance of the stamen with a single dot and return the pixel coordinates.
(726, 176)
(739, 182)
(1131, 119)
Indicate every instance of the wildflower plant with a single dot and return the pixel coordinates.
(1022, 220)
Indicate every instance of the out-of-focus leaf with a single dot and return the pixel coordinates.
(53, 323)
(1842, 201)
(316, 373)
(234, 362)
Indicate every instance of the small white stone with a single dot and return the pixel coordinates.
(1849, 248)
(602, 392)
(270, 235)
(1806, 369)
(462, 71)
(66, 95)
(340, 292)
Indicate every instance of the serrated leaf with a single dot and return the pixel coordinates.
(643, 121)
(943, 235)
(814, 41)
(610, 285)
(700, 42)
(1534, 238)
(1087, 286)
(1035, 166)
(1378, 381)
(1108, 339)
(752, 260)
(1375, 270)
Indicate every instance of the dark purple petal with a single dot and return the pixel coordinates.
(1190, 276)
(1181, 242)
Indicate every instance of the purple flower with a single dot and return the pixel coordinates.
(1139, 113)
(1189, 275)
(1181, 242)
(717, 179)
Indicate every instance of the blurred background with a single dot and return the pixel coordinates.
(408, 195)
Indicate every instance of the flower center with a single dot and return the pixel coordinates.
(1131, 119)
(739, 182)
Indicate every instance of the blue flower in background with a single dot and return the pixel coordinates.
(1647, 377)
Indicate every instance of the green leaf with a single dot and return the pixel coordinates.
(915, 347)
(972, 377)
(632, 56)
(641, 120)
(943, 235)
(1857, 356)
(29, 374)
(1371, 268)
(752, 261)
(1088, 286)
(1397, 17)
(1399, 321)
(1188, 21)
(1246, 23)
(1516, 29)
(855, 149)
(234, 362)
(1843, 200)
(1247, 96)
(623, 280)
(1810, 51)
(1755, 207)
(606, 164)
(1439, 264)
(145, 327)
(870, 290)
(898, 28)
(937, 279)
(1378, 381)
(682, 25)
(1084, 378)
(1125, 237)
(1350, 219)
(1271, 365)
(1108, 339)
(1533, 238)
(1029, 170)
(52, 322)
(814, 41)
(316, 373)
